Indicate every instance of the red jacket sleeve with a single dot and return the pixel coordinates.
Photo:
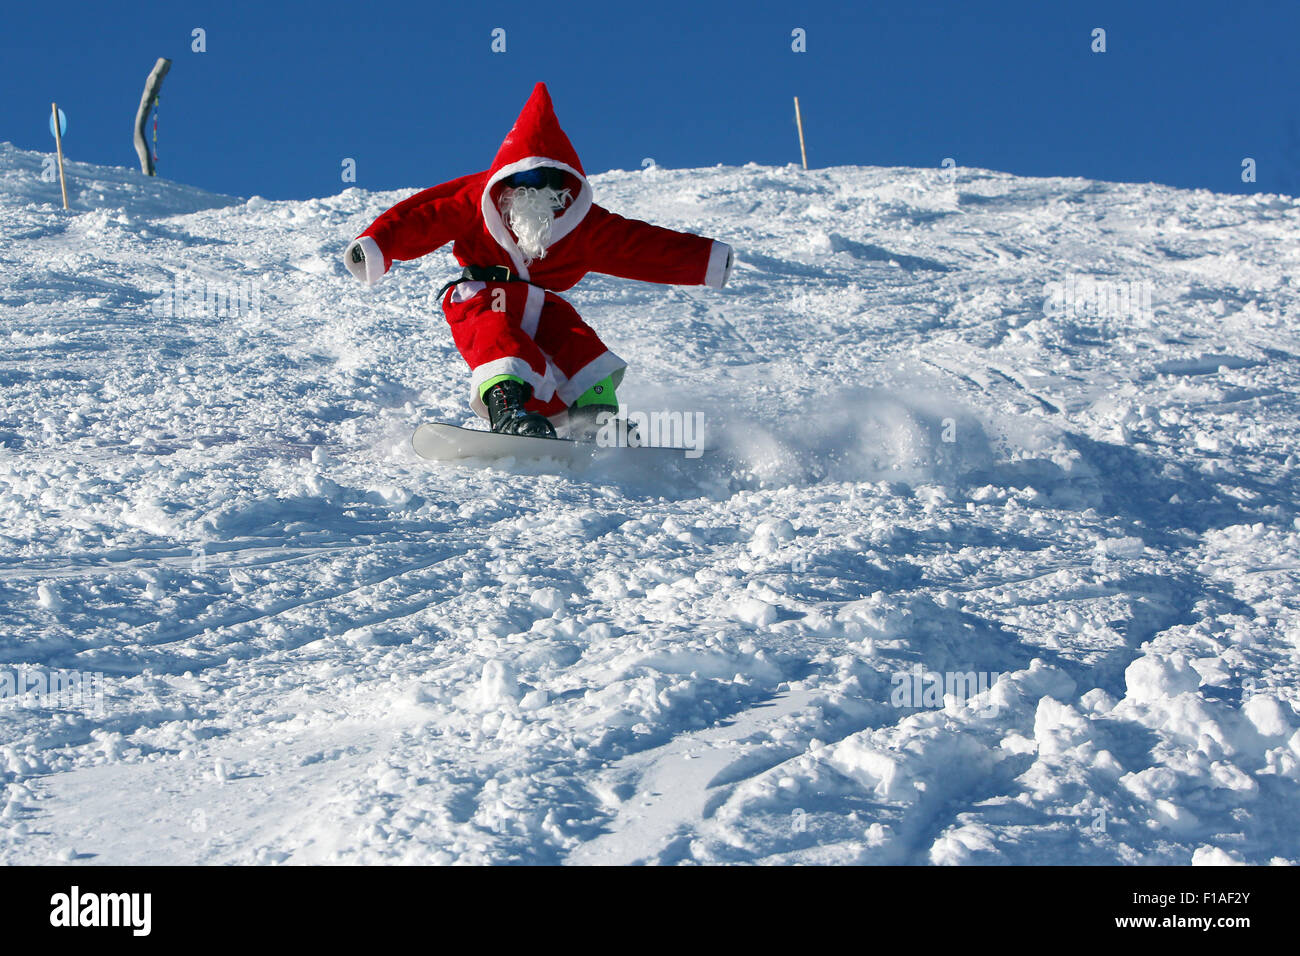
(632, 249)
(429, 219)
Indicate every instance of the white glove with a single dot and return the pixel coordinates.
(364, 260)
(720, 259)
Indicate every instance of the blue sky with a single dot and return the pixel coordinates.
(414, 94)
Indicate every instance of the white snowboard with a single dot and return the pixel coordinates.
(443, 442)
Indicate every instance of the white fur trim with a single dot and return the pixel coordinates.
(370, 271)
(720, 260)
(543, 386)
(463, 291)
(532, 311)
(565, 223)
(600, 367)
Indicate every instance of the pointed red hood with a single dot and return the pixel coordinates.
(536, 133)
(535, 140)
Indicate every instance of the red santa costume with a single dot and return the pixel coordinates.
(520, 326)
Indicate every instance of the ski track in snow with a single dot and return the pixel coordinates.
(319, 648)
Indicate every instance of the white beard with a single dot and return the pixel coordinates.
(530, 214)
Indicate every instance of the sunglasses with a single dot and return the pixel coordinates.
(541, 176)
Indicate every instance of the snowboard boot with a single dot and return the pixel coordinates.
(505, 398)
(587, 413)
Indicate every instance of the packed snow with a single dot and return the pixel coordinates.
(992, 555)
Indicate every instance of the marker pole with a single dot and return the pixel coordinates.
(799, 122)
(58, 145)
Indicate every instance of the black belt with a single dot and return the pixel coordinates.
(481, 274)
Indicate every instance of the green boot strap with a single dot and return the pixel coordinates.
(602, 393)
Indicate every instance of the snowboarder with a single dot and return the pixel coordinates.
(526, 229)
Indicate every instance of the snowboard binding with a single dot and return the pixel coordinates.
(586, 422)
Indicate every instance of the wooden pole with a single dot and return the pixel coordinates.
(799, 122)
(151, 87)
(58, 145)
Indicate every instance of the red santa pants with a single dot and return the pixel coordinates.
(514, 328)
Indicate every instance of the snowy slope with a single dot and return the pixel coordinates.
(317, 647)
